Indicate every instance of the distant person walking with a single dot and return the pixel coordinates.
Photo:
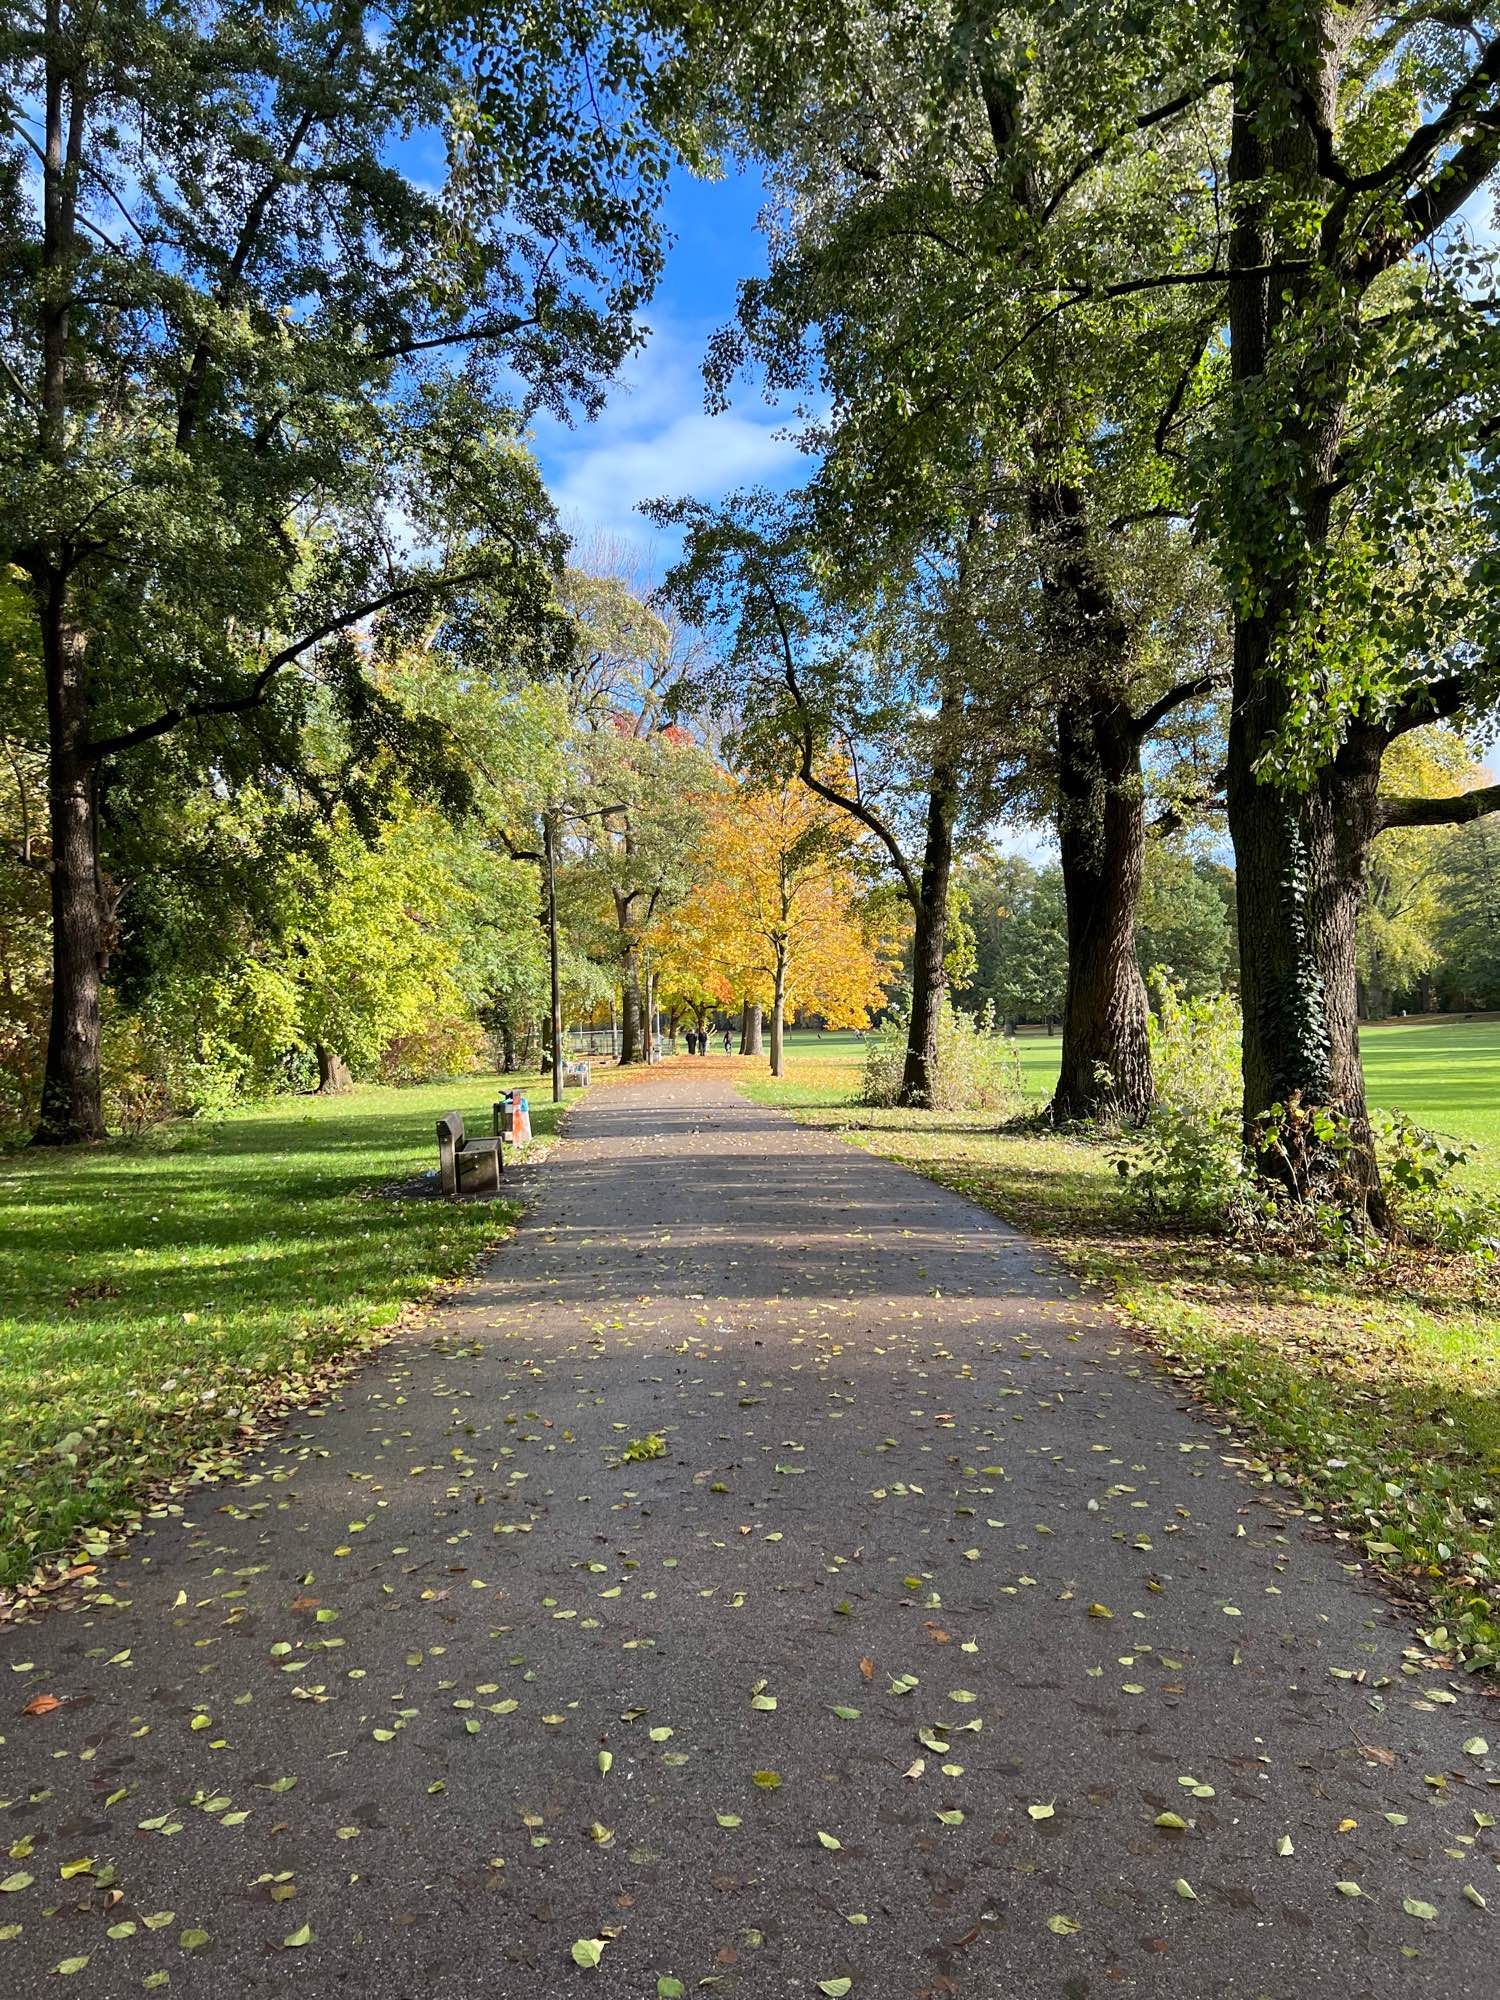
(726, 1041)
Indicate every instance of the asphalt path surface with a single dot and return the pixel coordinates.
(944, 1650)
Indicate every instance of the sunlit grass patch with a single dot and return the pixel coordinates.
(158, 1297)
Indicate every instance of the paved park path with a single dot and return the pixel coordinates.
(883, 1676)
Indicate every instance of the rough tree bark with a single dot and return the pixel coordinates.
(1101, 827)
(72, 1110)
(1300, 852)
(750, 1042)
(778, 1015)
(929, 975)
(72, 1106)
(632, 1049)
(1300, 860)
(334, 1076)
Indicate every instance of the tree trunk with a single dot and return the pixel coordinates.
(334, 1076)
(1101, 826)
(929, 979)
(750, 1037)
(72, 1110)
(1300, 854)
(1106, 1051)
(1300, 859)
(631, 1049)
(778, 1015)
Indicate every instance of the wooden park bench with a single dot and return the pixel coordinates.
(458, 1155)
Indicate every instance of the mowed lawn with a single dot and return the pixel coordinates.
(159, 1296)
(1373, 1394)
(1444, 1073)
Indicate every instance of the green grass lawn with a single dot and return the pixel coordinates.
(1373, 1394)
(1443, 1073)
(160, 1296)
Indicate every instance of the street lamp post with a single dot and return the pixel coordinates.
(549, 842)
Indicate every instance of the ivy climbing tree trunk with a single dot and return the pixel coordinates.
(1300, 844)
(1300, 861)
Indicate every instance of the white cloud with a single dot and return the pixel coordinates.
(1034, 841)
(654, 439)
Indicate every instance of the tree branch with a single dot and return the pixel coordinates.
(504, 327)
(856, 808)
(255, 694)
(1433, 703)
(1096, 155)
(1173, 818)
(1174, 697)
(1455, 811)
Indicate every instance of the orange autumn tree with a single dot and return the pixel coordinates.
(782, 910)
(692, 958)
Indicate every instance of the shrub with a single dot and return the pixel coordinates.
(1195, 1046)
(885, 1056)
(1186, 1162)
(1429, 1205)
(978, 1069)
(449, 1047)
(150, 1078)
(1189, 1162)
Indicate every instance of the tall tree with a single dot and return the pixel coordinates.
(643, 788)
(228, 415)
(859, 673)
(786, 892)
(1410, 881)
(927, 167)
(1020, 938)
(1353, 492)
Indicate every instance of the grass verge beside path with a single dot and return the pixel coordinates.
(161, 1298)
(1375, 1394)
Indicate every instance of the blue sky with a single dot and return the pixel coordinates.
(654, 438)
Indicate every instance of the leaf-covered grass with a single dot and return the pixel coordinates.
(1376, 1393)
(161, 1296)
